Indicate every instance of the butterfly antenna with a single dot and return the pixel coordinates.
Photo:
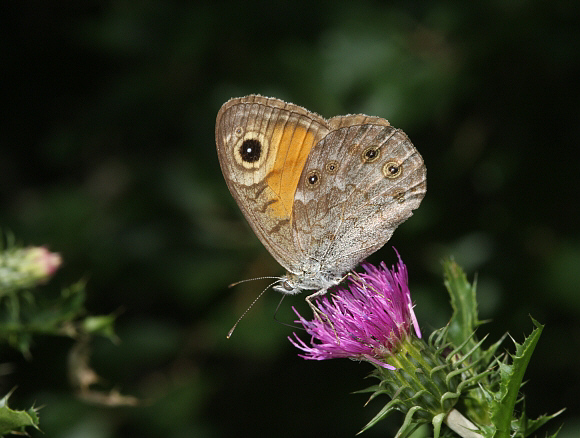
(252, 279)
(229, 335)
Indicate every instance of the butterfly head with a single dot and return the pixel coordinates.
(289, 284)
(292, 283)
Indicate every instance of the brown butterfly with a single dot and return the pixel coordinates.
(320, 194)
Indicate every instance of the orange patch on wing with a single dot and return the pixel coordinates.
(292, 150)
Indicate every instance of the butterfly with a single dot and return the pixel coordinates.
(321, 195)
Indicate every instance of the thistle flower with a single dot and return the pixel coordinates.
(367, 321)
(373, 320)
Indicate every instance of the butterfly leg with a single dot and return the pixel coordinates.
(315, 310)
(319, 314)
(310, 298)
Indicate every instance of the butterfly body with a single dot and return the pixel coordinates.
(320, 194)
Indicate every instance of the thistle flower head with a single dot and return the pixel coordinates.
(41, 263)
(366, 321)
(22, 268)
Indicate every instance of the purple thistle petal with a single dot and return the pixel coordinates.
(366, 321)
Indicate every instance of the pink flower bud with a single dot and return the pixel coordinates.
(40, 263)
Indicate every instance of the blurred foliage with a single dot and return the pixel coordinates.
(107, 156)
(28, 312)
(13, 421)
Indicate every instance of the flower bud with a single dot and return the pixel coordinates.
(22, 268)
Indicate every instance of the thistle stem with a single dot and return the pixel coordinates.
(461, 425)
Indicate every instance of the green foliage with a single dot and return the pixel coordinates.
(463, 301)
(492, 405)
(12, 421)
(454, 372)
(27, 312)
(504, 420)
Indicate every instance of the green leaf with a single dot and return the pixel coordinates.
(525, 427)
(100, 325)
(533, 425)
(504, 401)
(462, 293)
(12, 421)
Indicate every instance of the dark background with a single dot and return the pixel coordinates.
(107, 155)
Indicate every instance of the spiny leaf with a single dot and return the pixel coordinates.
(533, 425)
(526, 427)
(12, 421)
(504, 401)
(462, 293)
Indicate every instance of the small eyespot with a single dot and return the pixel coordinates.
(399, 196)
(331, 167)
(239, 131)
(392, 169)
(313, 179)
(371, 154)
(251, 150)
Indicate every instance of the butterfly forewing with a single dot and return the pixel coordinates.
(262, 146)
